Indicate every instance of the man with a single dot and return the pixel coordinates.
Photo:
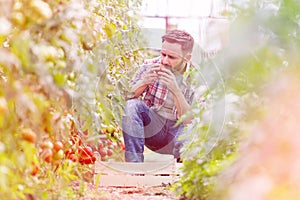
(166, 96)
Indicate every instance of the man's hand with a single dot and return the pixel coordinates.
(146, 79)
(167, 77)
(150, 75)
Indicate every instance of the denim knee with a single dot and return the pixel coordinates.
(132, 105)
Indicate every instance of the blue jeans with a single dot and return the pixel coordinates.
(142, 126)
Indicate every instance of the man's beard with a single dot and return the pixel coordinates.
(178, 67)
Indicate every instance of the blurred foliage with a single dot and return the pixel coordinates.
(62, 72)
(264, 43)
(267, 165)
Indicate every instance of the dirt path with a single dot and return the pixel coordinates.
(127, 193)
(160, 192)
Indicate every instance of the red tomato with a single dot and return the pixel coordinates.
(69, 152)
(109, 152)
(76, 139)
(109, 143)
(58, 145)
(47, 155)
(86, 132)
(115, 146)
(122, 146)
(35, 169)
(87, 160)
(85, 151)
(103, 152)
(100, 145)
(73, 157)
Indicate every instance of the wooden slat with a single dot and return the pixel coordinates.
(129, 180)
(149, 173)
(162, 167)
(156, 157)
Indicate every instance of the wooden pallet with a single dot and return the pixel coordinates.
(149, 173)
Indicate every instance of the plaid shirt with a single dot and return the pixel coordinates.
(155, 93)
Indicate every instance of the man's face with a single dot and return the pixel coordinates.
(172, 56)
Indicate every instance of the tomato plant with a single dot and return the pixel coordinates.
(50, 53)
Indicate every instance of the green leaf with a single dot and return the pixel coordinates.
(59, 79)
(110, 30)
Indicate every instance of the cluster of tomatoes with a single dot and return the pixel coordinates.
(110, 142)
(74, 149)
(55, 151)
(50, 151)
(77, 152)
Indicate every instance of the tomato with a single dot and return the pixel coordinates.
(86, 155)
(86, 132)
(58, 145)
(59, 155)
(69, 152)
(115, 146)
(35, 169)
(73, 157)
(47, 155)
(100, 145)
(91, 147)
(87, 160)
(103, 152)
(47, 145)
(109, 143)
(85, 151)
(122, 146)
(76, 140)
(109, 152)
(28, 135)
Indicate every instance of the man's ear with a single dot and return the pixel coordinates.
(188, 56)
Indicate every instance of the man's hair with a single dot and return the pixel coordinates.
(180, 37)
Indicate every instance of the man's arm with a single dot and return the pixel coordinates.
(145, 79)
(138, 88)
(182, 106)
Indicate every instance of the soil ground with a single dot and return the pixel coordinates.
(128, 193)
(160, 192)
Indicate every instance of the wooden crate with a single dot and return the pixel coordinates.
(149, 173)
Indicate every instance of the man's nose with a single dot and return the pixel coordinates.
(165, 60)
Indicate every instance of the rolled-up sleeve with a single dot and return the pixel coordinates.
(138, 75)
